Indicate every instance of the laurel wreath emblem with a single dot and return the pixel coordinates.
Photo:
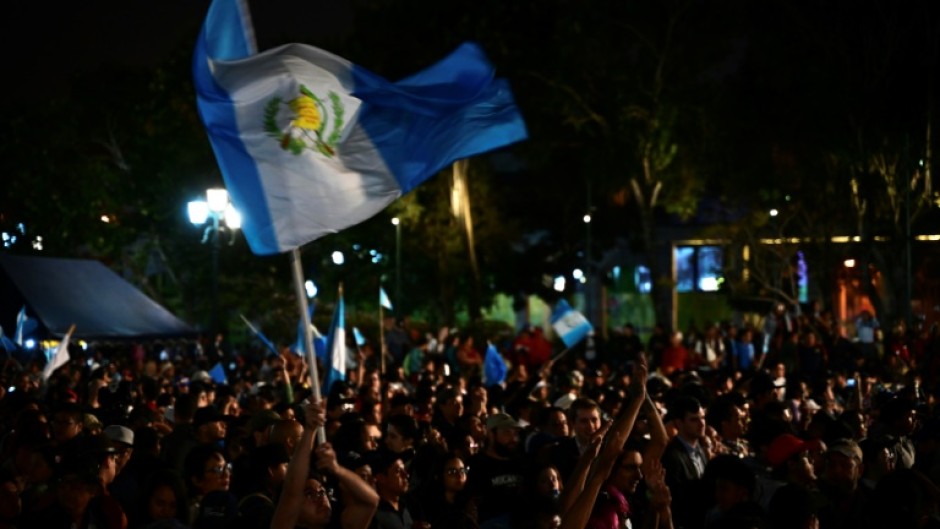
(307, 128)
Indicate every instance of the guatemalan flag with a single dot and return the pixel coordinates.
(336, 347)
(570, 325)
(309, 143)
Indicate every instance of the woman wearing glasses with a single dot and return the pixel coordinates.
(305, 500)
(444, 501)
(206, 471)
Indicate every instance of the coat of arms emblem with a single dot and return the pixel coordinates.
(309, 123)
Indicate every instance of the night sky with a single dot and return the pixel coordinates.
(47, 44)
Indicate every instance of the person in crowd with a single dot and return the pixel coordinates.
(585, 419)
(550, 428)
(391, 483)
(676, 358)
(401, 434)
(496, 483)
(68, 423)
(444, 499)
(867, 331)
(734, 488)
(897, 420)
(710, 348)
(206, 471)
(791, 461)
(305, 500)
(183, 437)
(847, 503)
(163, 502)
(209, 425)
(685, 458)
(266, 473)
(728, 417)
(286, 433)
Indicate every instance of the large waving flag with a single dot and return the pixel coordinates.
(570, 325)
(309, 143)
(336, 347)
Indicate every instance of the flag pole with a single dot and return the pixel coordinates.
(382, 339)
(297, 269)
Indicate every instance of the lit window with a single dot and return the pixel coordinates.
(699, 268)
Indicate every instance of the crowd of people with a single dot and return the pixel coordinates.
(793, 422)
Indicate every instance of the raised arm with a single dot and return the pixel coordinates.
(579, 514)
(575, 484)
(658, 436)
(359, 498)
(659, 515)
(292, 493)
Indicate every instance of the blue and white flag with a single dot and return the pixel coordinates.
(319, 341)
(59, 357)
(336, 347)
(25, 326)
(494, 367)
(260, 336)
(7, 344)
(570, 325)
(310, 144)
(360, 339)
(383, 299)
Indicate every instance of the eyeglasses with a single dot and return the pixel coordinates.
(318, 494)
(221, 469)
(462, 471)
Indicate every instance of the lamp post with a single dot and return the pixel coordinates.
(397, 223)
(587, 266)
(211, 213)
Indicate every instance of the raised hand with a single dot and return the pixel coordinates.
(314, 414)
(326, 458)
(641, 373)
(660, 497)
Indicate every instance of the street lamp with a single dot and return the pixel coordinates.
(587, 266)
(397, 223)
(213, 212)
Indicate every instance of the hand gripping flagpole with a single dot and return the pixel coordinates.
(308, 334)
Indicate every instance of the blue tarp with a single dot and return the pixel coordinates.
(84, 292)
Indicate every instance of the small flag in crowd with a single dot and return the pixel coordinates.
(570, 325)
(7, 344)
(360, 339)
(494, 367)
(336, 347)
(309, 143)
(24, 327)
(319, 342)
(260, 336)
(383, 299)
(218, 374)
(60, 357)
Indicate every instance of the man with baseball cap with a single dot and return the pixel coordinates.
(847, 505)
(790, 460)
(497, 476)
(126, 485)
